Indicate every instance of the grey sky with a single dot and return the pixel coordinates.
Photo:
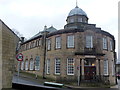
(30, 16)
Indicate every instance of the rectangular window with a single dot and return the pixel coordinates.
(31, 64)
(48, 66)
(39, 42)
(58, 42)
(22, 65)
(37, 63)
(70, 66)
(57, 66)
(105, 67)
(113, 68)
(104, 43)
(70, 41)
(79, 19)
(89, 42)
(49, 44)
(111, 47)
(26, 64)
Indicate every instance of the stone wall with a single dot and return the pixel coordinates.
(8, 45)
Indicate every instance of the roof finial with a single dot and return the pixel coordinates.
(76, 4)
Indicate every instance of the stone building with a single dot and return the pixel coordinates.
(8, 45)
(79, 48)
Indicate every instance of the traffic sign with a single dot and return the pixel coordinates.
(19, 57)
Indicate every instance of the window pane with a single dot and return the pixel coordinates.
(104, 43)
(49, 44)
(37, 63)
(31, 64)
(58, 42)
(48, 66)
(26, 65)
(57, 66)
(89, 42)
(70, 41)
(22, 65)
(70, 66)
(105, 67)
(111, 45)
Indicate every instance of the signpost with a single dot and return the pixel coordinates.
(19, 57)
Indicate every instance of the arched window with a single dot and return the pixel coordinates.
(31, 64)
(37, 63)
(26, 64)
(22, 65)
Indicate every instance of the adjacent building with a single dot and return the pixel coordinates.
(8, 44)
(79, 48)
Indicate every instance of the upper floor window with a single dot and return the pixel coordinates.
(105, 67)
(58, 42)
(39, 42)
(71, 20)
(49, 44)
(104, 43)
(57, 66)
(89, 41)
(70, 41)
(111, 45)
(70, 66)
(79, 19)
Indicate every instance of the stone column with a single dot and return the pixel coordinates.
(97, 67)
(82, 68)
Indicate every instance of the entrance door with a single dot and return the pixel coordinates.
(89, 72)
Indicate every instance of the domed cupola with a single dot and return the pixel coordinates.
(76, 16)
(77, 11)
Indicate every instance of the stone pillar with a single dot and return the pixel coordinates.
(82, 68)
(97, 67)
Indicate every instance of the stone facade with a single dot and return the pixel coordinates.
(8, 45)
(90, 51)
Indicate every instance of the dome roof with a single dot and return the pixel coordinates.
(77, 11)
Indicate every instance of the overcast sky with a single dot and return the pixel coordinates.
(30, 16)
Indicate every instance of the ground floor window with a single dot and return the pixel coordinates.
(48, 66)
(26, 64)
(70, 66)
(37, 63)
(57, 66)
(22, 65)
(113, 68)
(105, 67)
(31, 64)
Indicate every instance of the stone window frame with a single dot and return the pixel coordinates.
(49, 44)
(68, 41)
(113, 68)
(57, 66)
(80, 19)
(37, 63)
(105, 46)
(70, 66)
(27, 65)
(90, 43)
(58, 44)
(31, 68)
(22, 65)
(106, 67)
(111, 45)
(48, 67)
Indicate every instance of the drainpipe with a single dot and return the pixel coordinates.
(44, 53)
